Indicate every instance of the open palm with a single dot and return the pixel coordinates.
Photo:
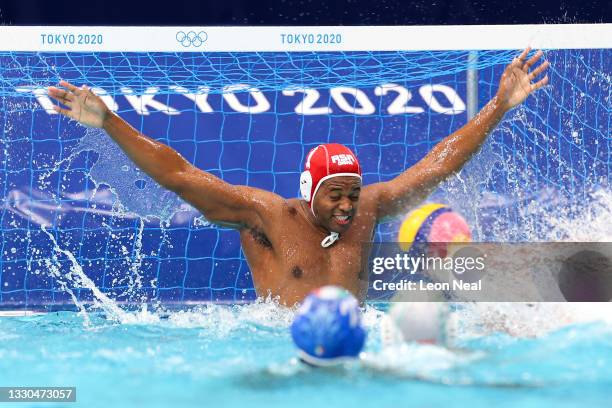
(516, 83)
(81, 104)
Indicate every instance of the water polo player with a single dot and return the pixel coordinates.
(295, 245)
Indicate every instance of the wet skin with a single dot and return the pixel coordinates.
(292, 262)
(282, 237)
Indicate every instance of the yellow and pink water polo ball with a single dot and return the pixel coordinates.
(436, 225)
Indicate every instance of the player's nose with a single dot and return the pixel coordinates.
(346, 205)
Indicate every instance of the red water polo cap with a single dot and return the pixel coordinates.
(324, 162)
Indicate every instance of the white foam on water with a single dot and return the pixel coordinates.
(219, 320)
(524, 319)
(426, 362)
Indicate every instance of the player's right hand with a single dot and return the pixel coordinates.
(81, 104)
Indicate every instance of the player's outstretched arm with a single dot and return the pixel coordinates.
(447, 157)
(219, 201)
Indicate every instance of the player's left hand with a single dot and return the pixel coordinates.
(517, 82)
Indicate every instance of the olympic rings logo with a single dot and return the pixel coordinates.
(191, 38)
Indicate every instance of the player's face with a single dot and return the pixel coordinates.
(336, 202)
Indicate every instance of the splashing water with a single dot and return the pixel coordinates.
(78, 276)
(588, 221)
(592, 222)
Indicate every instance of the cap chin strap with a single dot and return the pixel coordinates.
(330, 239)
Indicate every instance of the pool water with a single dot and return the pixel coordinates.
(243, 355)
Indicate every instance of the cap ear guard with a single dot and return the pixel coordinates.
(306, 185)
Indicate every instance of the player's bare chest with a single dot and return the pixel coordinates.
(309, 259)
(304, 247)
(293, 244)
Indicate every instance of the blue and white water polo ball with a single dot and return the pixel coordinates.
(327, 328)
